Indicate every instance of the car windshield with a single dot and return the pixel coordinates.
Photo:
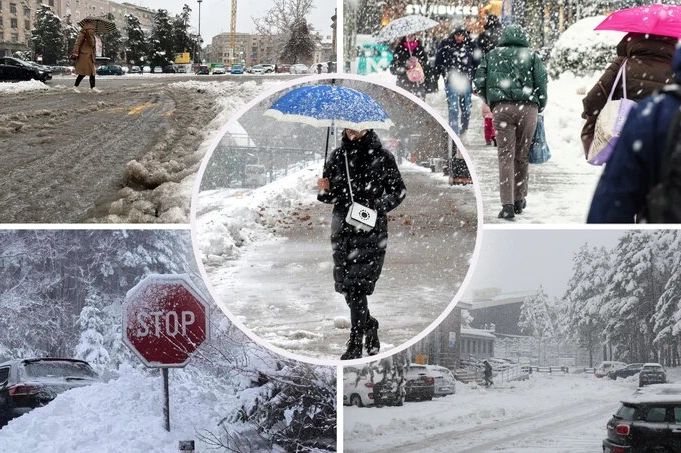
(54, 368)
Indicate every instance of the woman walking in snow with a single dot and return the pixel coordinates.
(362, 164)
(410, 65)
(84, 54)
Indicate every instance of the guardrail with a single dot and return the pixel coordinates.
(546, 369)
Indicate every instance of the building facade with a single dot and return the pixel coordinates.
(76, 10)
(442, 346)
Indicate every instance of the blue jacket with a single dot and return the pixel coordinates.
(633, 168)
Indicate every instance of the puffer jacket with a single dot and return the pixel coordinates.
(401, 56)
(648, 69)
(512, 72)
(376, 182)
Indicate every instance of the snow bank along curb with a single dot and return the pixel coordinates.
(20, 87)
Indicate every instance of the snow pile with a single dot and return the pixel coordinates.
(122, 415)
(580, 49)
(20, 87)
(232, 218)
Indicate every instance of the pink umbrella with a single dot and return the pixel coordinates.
(657, 19)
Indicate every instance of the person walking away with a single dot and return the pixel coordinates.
(489, 38)
(454, 62)
(642, 179)
(488, 129)
(410, 64)
(648, 59)
(363, 164)
(84, 55)
(488, 373)
(512, 80)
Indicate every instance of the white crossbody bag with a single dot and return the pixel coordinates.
(359, 216)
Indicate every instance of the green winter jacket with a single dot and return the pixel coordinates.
(512, 72)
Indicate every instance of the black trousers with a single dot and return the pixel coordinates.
(359, 313)
(81, 77)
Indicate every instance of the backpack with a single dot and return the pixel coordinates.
(663, 201)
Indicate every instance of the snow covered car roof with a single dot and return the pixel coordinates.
(656, 393)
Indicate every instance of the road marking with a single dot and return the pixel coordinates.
(140, 108)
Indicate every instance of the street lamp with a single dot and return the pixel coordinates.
(199, 39)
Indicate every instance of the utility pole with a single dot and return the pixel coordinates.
(232, 31)
(199, 38)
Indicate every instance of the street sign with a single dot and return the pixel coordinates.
(165, 319)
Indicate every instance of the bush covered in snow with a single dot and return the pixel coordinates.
(581, 50)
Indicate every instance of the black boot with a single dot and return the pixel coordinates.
(507, 212)
(519, 205)
(373, 345)
(354, 350)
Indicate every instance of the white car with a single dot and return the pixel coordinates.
(257, 69)
(256, 175)
(219, 69)
(607, 366)
(445, 383)
(298, 69)
(358, 389)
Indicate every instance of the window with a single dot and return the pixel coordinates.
(677, 415)
(27, 11)
(4, 376)
(13, 8)
(656, 414)
(626, 413)
(13, 23)
(15, 37)
(27, 24)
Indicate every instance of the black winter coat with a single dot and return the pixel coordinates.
(376, 182)
(454, 57)
(399, 67)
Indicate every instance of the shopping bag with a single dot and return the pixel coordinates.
(539, 151)
(610, 122)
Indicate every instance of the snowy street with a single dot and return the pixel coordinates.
(276, 273)
(126, 154)
(557, 413)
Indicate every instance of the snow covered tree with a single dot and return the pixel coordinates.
(135, 42)
(70, 35)
(112, 42)
(279, 21)
(47, 35)
(538, 316)
(667, 316)
(300, 45)
(90, 347)
(162, 45)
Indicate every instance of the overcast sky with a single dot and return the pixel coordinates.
(216, 14)
(521, 260)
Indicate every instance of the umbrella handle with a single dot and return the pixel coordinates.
(326, 149)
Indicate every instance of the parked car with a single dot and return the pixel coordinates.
(135, 70)
(147, 69)
(314, 68)
(13, 69)
(629, 370)
(358, 389)
(255, 175)
(258, 69)
(203, 70)
(236, 69)
(645, 423)
(607, 366)
(29, 383)
(168, 69)
(267, 68)
(419, 385)
(219, 69)
(111, 69)
(652, 373)
(181, 69)
(443, 380)
(298, 69)
(283, 69)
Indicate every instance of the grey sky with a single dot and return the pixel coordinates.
(521, 260)
(216, 14)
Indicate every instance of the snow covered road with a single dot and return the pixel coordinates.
(547, 413)
(283, 288)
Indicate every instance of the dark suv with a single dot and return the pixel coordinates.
(629, 370)
(29, 383)
(647, 423)
(652, 373)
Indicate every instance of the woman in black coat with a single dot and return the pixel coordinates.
(358, 255)
(408, 51)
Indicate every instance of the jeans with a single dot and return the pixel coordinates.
(459, 105)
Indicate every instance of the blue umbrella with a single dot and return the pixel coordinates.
(328, 106)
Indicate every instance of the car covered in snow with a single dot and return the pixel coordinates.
(443, 380)
(13, 69)
(420, 385)
(630, 370)
(607, 366)
(358, 388)
(377, 386)
(652, 373)
(650, 422)
(203, 70)
(298, 68)
(29, 383)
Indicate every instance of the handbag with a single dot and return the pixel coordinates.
(610, 122)
(359, 216)
(415, 74)
(539, 150)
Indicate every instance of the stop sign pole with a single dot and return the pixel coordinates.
(165, 319)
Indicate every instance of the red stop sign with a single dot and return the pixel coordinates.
(165, 319)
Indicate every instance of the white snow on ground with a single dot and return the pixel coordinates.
(560, 190)
(124, 414)
(480, 419)
(20, 87)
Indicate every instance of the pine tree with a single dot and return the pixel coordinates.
(300, 45)
(47, 35)
(112, 42)
(135, 43)
(91, 344)
(538, 317)
(162, 46)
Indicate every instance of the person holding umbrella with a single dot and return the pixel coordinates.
(360, 169)
(85, 48)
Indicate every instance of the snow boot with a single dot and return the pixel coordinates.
(519, 205)
(373, 345)
(507, 212)
(354, 350)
